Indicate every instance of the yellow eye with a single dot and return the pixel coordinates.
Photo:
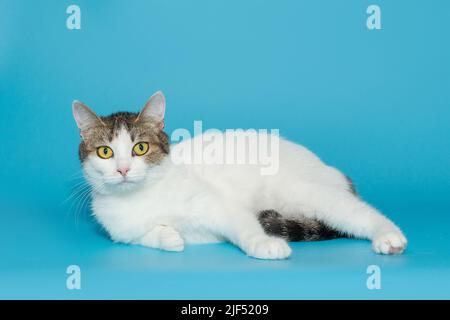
(104, 152)
(140, 148)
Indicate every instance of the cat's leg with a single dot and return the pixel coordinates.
(162, 237)
(349, 214)
(242, 228)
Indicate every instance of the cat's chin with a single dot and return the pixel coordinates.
(126, 185)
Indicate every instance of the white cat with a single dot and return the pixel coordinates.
(141, 196)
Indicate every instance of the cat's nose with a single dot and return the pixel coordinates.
(123, 171)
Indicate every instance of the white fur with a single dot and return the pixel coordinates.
(170, 205)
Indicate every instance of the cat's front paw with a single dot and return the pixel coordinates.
(393, 242)
(164, 238)
(170, 240)
(265, 247)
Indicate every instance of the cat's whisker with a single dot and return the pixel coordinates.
(75, 191)
(80, 194)
(85, 200)
(85, 197)
(75, 178)
(75, 174)
(82, 202)
(78, 180)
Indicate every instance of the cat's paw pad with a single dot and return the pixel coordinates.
(170, 240)
(265, 247)
(393, 242)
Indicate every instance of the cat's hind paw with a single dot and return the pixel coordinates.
(393, 242)
(265, 247)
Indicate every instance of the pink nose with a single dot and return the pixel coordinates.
(123, 171)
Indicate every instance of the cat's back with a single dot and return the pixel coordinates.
(241, 158)
(238, 147)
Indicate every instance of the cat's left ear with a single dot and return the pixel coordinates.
(154, 109)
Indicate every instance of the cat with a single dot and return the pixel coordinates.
(140, 196)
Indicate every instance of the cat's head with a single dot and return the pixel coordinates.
(117, 152)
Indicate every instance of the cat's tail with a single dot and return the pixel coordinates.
(298, 229)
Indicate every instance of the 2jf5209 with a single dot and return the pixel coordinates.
(243, 309)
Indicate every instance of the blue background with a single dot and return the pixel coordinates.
(375, 104)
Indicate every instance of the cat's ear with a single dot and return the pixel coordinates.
(154, 109)
(85, 117)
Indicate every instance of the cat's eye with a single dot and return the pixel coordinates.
(140, 148)
(105, 152)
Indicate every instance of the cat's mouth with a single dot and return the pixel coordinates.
(126, 181)
(129, 180)
(121, 183)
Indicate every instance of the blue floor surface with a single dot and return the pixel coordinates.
(33, 265)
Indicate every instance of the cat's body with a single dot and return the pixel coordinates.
(167, 205)
(190, 198)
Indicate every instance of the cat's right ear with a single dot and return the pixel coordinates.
(154, 109)
(84, 117)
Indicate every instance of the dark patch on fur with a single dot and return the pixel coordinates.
(301, 229)
(351, 186)
(139, 129)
